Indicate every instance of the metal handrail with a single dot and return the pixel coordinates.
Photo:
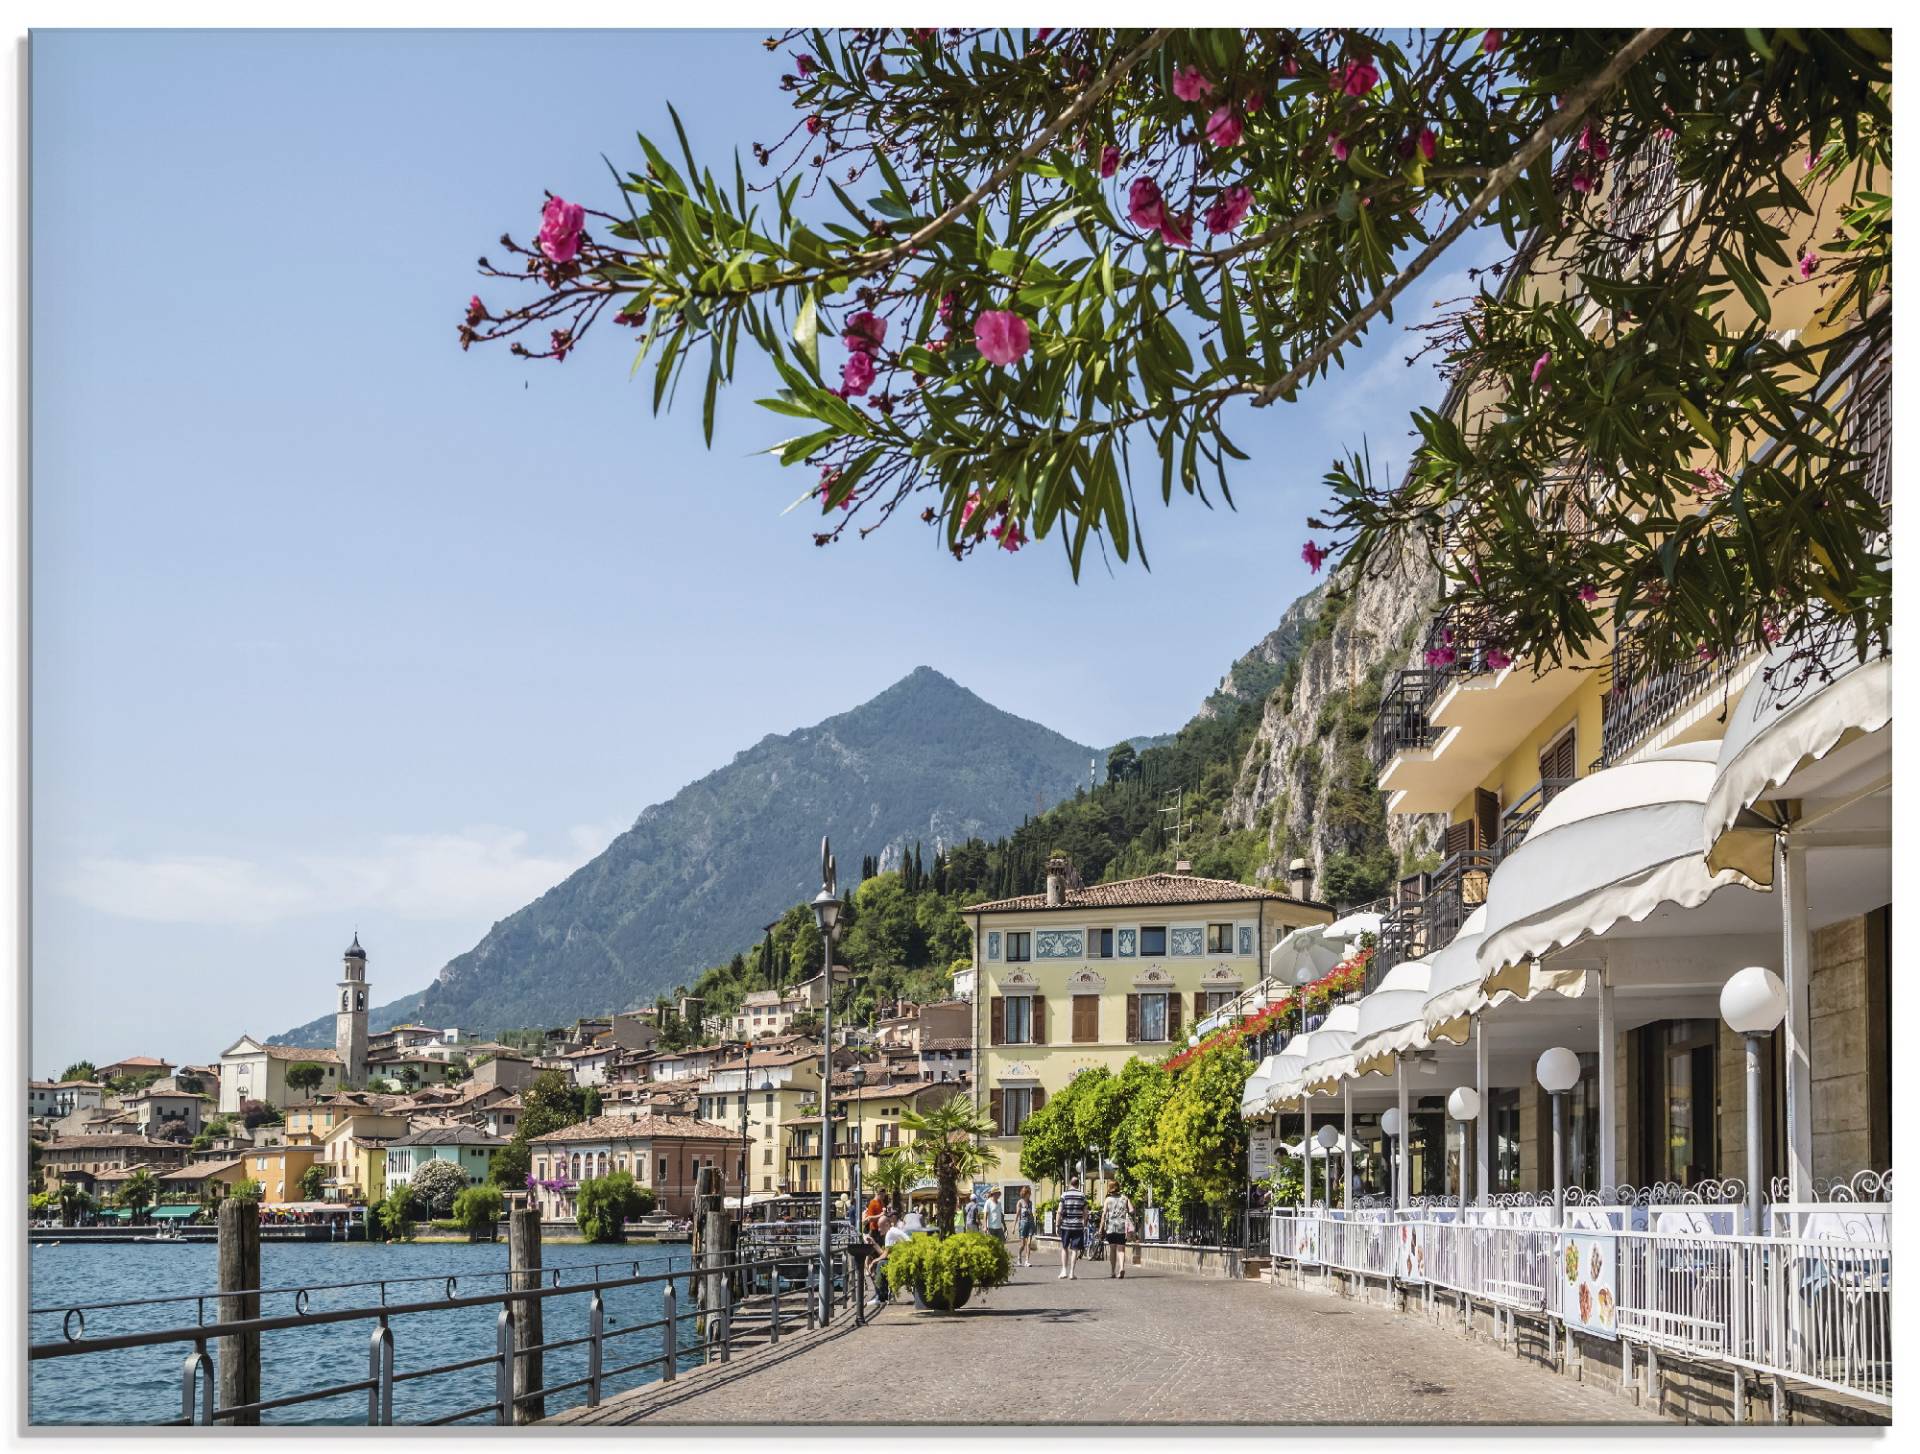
(198, 1369)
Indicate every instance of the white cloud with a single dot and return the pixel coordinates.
(426, 876)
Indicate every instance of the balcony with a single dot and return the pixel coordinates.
(1444, 726)
(1429, 909)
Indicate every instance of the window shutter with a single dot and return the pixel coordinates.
(1199, 1006)
(1039, 1097)
(1039, 1019)
(1486, 817)
(997, 1108)
(1459, 838)
(997, 1023)
(1133, 1019)
(1173, 1015)
(1086, 1019)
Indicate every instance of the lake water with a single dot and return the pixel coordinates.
(142, 1385)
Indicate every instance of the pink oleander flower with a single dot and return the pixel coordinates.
(1314, 556)
(561, 223)
(1428, 142)
(1253, 102)
(966, 513)
(813, 126)
(1712, 482)
(1707, 653)
(865, 333)
(1492, 41)
(1144, 203)
(803, 64)
(1440, 656)
(1002, 337)
(1290, 66)
(476, 311)
(856, 374)
(1813, 160)
(1010, 533)
(1809, 261)
(1589, 594)
(1593, 143)
(1581, 181)
(1541, 365)
(1498, 660)
(1339, 146)
(1176, 231)
(1109, 161)
(1770, 630)
(1358, 77)
(1190, 84)
(1228, 209)
(1224, 127)
(1042, 33)
(947, 301)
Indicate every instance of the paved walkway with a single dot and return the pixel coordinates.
(1157, 1348)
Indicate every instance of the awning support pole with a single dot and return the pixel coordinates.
(1606, 1173)
(1482, 1136)
(1346, 1147)
(1306, 1150)
(1405, 1137)
(1796, 963)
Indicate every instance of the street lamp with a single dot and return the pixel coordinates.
(826, 913)
(1327, 1136)
(1463, 1105)
(1390, 1128)
(1753, 1003)
(746, 1090)
(1558, 1071)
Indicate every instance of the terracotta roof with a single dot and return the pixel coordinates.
(636, 1128)
(1150, 891)
(299, 1052)
(143, 1062)
(109, 1141)
(947, 1042)
(196, 1170)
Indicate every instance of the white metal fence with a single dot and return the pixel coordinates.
(1815, 1306)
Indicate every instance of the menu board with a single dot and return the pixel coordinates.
(1409, 1252)
(1585, 1267)
(1306, 1240)
(1260, 1153)
(1153, 1224)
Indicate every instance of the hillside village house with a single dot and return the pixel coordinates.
(866, 1125)
(1079, 977)
(134, 1066)
(40, 1099)
(589, 1065)
(770, 1087)
(152, 1109)
(78, 1095)
(251, 1070)
(354, 1153)
(765, 1012)
(85, 1159)
(467, 1147)
(662, 1153)
(193, 1181)
(692, 1064)
(278, 1169)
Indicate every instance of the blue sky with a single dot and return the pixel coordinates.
(336, 627)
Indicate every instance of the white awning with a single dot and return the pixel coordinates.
(1616, 845)
(1253, 1095)
(1293, 1067)
(1455, 983)
(1390, 1020)
(1796, 713)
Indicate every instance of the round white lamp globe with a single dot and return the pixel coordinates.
(1464, 1103)
(1390, 1121)
(1326, 1136)
(1753, 1002)
(1557, 1069)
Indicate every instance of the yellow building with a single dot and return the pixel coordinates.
(1077, 978)
(354, 1153)
(866, 1125)
(278, 1169)
(768, 1090)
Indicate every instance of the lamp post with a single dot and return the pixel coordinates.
(746, 1090)
(1558, 1071)
(826, 913)
(1463, 1105)
(1327, 1136)
(1390, 1129)
(1753, 1003)
(859, 1079)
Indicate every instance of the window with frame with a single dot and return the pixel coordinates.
(1086, 1019)
(1019, 946)
(1019, 1020)
(1099, 944)
(1016, 1106)
(1153, 939)
(1153, 1017)
(1211, 1000)
(663, 1169)
(1219, 938)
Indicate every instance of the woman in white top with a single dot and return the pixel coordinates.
(1116, 1217)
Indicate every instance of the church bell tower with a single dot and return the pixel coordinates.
(350, 1020)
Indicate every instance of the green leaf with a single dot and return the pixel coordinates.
(806, 330)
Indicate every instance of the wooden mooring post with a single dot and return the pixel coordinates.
(238, 1355)
(523, 1267)
(713, 1247)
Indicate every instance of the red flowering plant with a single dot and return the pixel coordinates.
(1343, 979)
(1017, 276)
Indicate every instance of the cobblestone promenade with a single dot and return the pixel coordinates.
(1159, 1347)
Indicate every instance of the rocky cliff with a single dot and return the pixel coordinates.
(1308, 779)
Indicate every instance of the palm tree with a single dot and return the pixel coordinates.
(893, 1175)
(74, 1199)
(139, 1192)
(948, 1148)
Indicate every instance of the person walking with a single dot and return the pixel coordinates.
(1116, 1216)
(1025, 1225)
(1071, 1222)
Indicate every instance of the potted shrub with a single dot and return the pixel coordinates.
(942, 1272)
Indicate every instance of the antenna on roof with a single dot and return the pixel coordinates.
(1179, 796)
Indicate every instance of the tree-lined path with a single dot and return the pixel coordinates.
(1157, 1348)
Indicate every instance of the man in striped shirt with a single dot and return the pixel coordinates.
(1071, 1224)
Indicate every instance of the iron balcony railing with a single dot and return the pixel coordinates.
(1643, 193)
(1518, 820)
(516, 1386)
(1430, 910)
(1401, 724)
